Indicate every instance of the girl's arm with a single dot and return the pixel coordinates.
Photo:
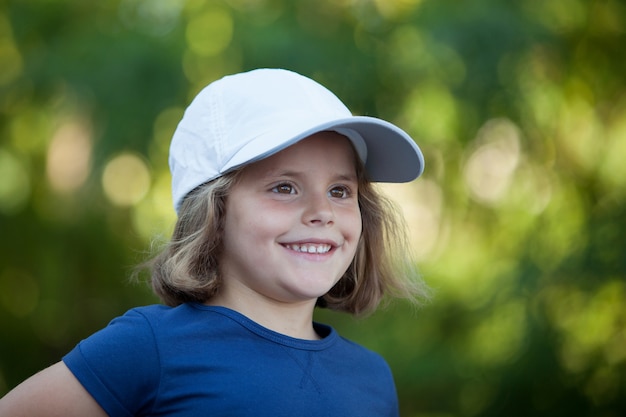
(52, 392)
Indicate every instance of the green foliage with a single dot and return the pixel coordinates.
(518, 223)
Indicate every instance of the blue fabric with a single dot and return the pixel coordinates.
(197, 360)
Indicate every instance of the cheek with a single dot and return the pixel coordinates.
(355, 236)
(236, 227)
(254, 221)
(354, 223)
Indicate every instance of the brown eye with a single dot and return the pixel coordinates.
(284, 189)
(338, 192)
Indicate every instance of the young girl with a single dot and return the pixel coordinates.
(276, 214)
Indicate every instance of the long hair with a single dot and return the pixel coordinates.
(187, 268)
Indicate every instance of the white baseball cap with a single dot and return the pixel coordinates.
(249, 116)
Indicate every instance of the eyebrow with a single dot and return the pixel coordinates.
(291, 173)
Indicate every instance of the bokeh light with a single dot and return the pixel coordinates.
(491, 166)
(210, 32)
(69, 157)
(126, 179)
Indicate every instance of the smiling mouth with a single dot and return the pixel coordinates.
(309, 248)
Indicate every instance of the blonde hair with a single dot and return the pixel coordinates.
(187, 269)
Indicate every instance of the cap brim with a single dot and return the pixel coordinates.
(392, 155)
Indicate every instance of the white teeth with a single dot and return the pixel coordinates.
(310, 248)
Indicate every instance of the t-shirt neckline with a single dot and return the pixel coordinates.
(327, 333)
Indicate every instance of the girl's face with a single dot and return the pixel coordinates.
(292, 222)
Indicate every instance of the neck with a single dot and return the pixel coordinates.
(291, 319)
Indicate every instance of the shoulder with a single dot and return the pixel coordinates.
(364, 361)
(154, 318)
(357, 349)
(158, 313)
(122, 365)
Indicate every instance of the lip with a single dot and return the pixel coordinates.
(317, 247)
(311, 241)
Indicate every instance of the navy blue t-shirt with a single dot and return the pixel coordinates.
(196, 360)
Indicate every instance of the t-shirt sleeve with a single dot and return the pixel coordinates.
(119, 365)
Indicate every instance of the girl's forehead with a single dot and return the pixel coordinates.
(327, 149)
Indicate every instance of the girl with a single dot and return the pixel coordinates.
(276, 214)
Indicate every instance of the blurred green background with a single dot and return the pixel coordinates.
(519, 222)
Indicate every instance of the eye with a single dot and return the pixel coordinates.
(339, 192)
(284, 188)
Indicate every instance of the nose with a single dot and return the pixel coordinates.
(318, 210)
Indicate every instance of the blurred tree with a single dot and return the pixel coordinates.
(518, 223)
